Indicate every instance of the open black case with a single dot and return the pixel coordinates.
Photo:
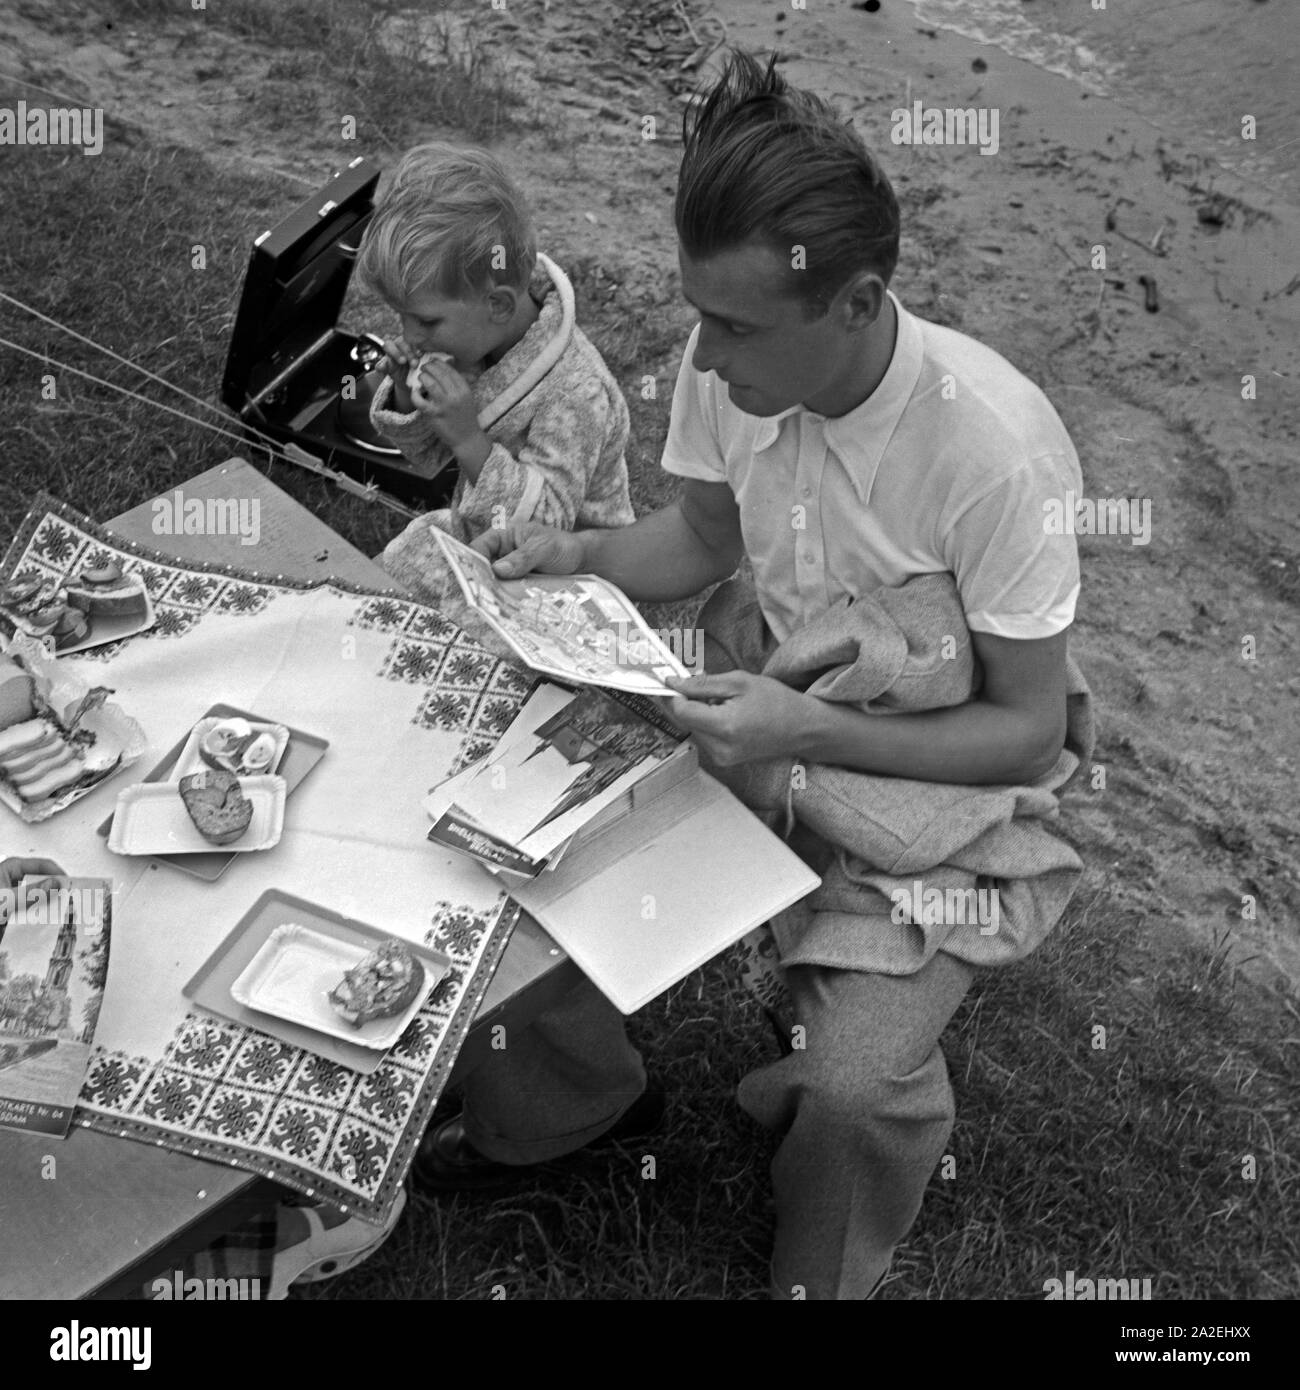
(292, 374)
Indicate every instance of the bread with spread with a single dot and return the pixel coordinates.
(382, 985)
(219, 809)
(104, 591)
(65, 610)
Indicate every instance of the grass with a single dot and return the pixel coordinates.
(1122, 1161)
(1125, 1161)
(90, 445)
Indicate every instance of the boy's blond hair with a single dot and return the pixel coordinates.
(453, 222)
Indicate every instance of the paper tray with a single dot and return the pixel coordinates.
(303, 753)
(151, 819)
(291, 978)
(210, 986)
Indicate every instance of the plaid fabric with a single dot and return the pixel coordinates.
(245, 1255)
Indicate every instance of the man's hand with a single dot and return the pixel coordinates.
(738, 717)
(528, 547)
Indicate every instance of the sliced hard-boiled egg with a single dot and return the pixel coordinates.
(259, 753)
(221, 745)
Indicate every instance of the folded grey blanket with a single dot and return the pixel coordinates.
(900, 859)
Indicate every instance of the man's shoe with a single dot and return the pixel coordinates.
(447, 1162)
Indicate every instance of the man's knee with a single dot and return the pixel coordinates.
(852, 1093)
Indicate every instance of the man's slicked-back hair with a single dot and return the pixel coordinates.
(767, 163)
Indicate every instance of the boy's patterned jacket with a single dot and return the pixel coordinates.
(558, 425)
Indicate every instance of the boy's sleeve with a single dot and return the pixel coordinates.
(549, 479)
(413, 434)
(1017, 576)
(692, 449)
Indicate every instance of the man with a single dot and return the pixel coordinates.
(843, 447)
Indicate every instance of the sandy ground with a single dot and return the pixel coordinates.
(1198, 744)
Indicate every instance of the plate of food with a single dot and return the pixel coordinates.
(207, 809)
(212, 988)
(99, 604)
(362, 992)
(241, 746)
(59, 738)
(302, 753)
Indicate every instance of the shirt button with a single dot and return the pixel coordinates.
(806, 557)
(807, 492)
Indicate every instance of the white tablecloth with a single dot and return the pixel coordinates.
(404, 698)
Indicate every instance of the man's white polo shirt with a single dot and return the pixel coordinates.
(946, 466)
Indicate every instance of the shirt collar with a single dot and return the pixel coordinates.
(859, 438)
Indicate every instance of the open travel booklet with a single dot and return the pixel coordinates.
(53, 964)
(575, 627)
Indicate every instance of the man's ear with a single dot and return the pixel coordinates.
(861, 301)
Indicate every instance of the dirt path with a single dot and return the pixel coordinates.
(1199, 742)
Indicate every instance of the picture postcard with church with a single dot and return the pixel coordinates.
(566, 756)
(54, 942)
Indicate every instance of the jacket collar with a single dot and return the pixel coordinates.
(505, 383)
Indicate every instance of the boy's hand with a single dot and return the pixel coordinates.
(399, 359)
(445, 397)
(737, 717)
(528, 547)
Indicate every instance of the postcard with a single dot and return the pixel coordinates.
(564, 758)
(54, 942)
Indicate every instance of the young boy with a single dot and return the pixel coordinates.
(507, 383)
(845, 447)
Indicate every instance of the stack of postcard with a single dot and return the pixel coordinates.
(566, 758)
(54, 936)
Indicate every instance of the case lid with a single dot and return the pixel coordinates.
(665, 889)
(297, 276)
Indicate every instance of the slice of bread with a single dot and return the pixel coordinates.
(64, 774)
(16, 763)
(380, 986)
(219, 809)
(27, 737)
(60, 755)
